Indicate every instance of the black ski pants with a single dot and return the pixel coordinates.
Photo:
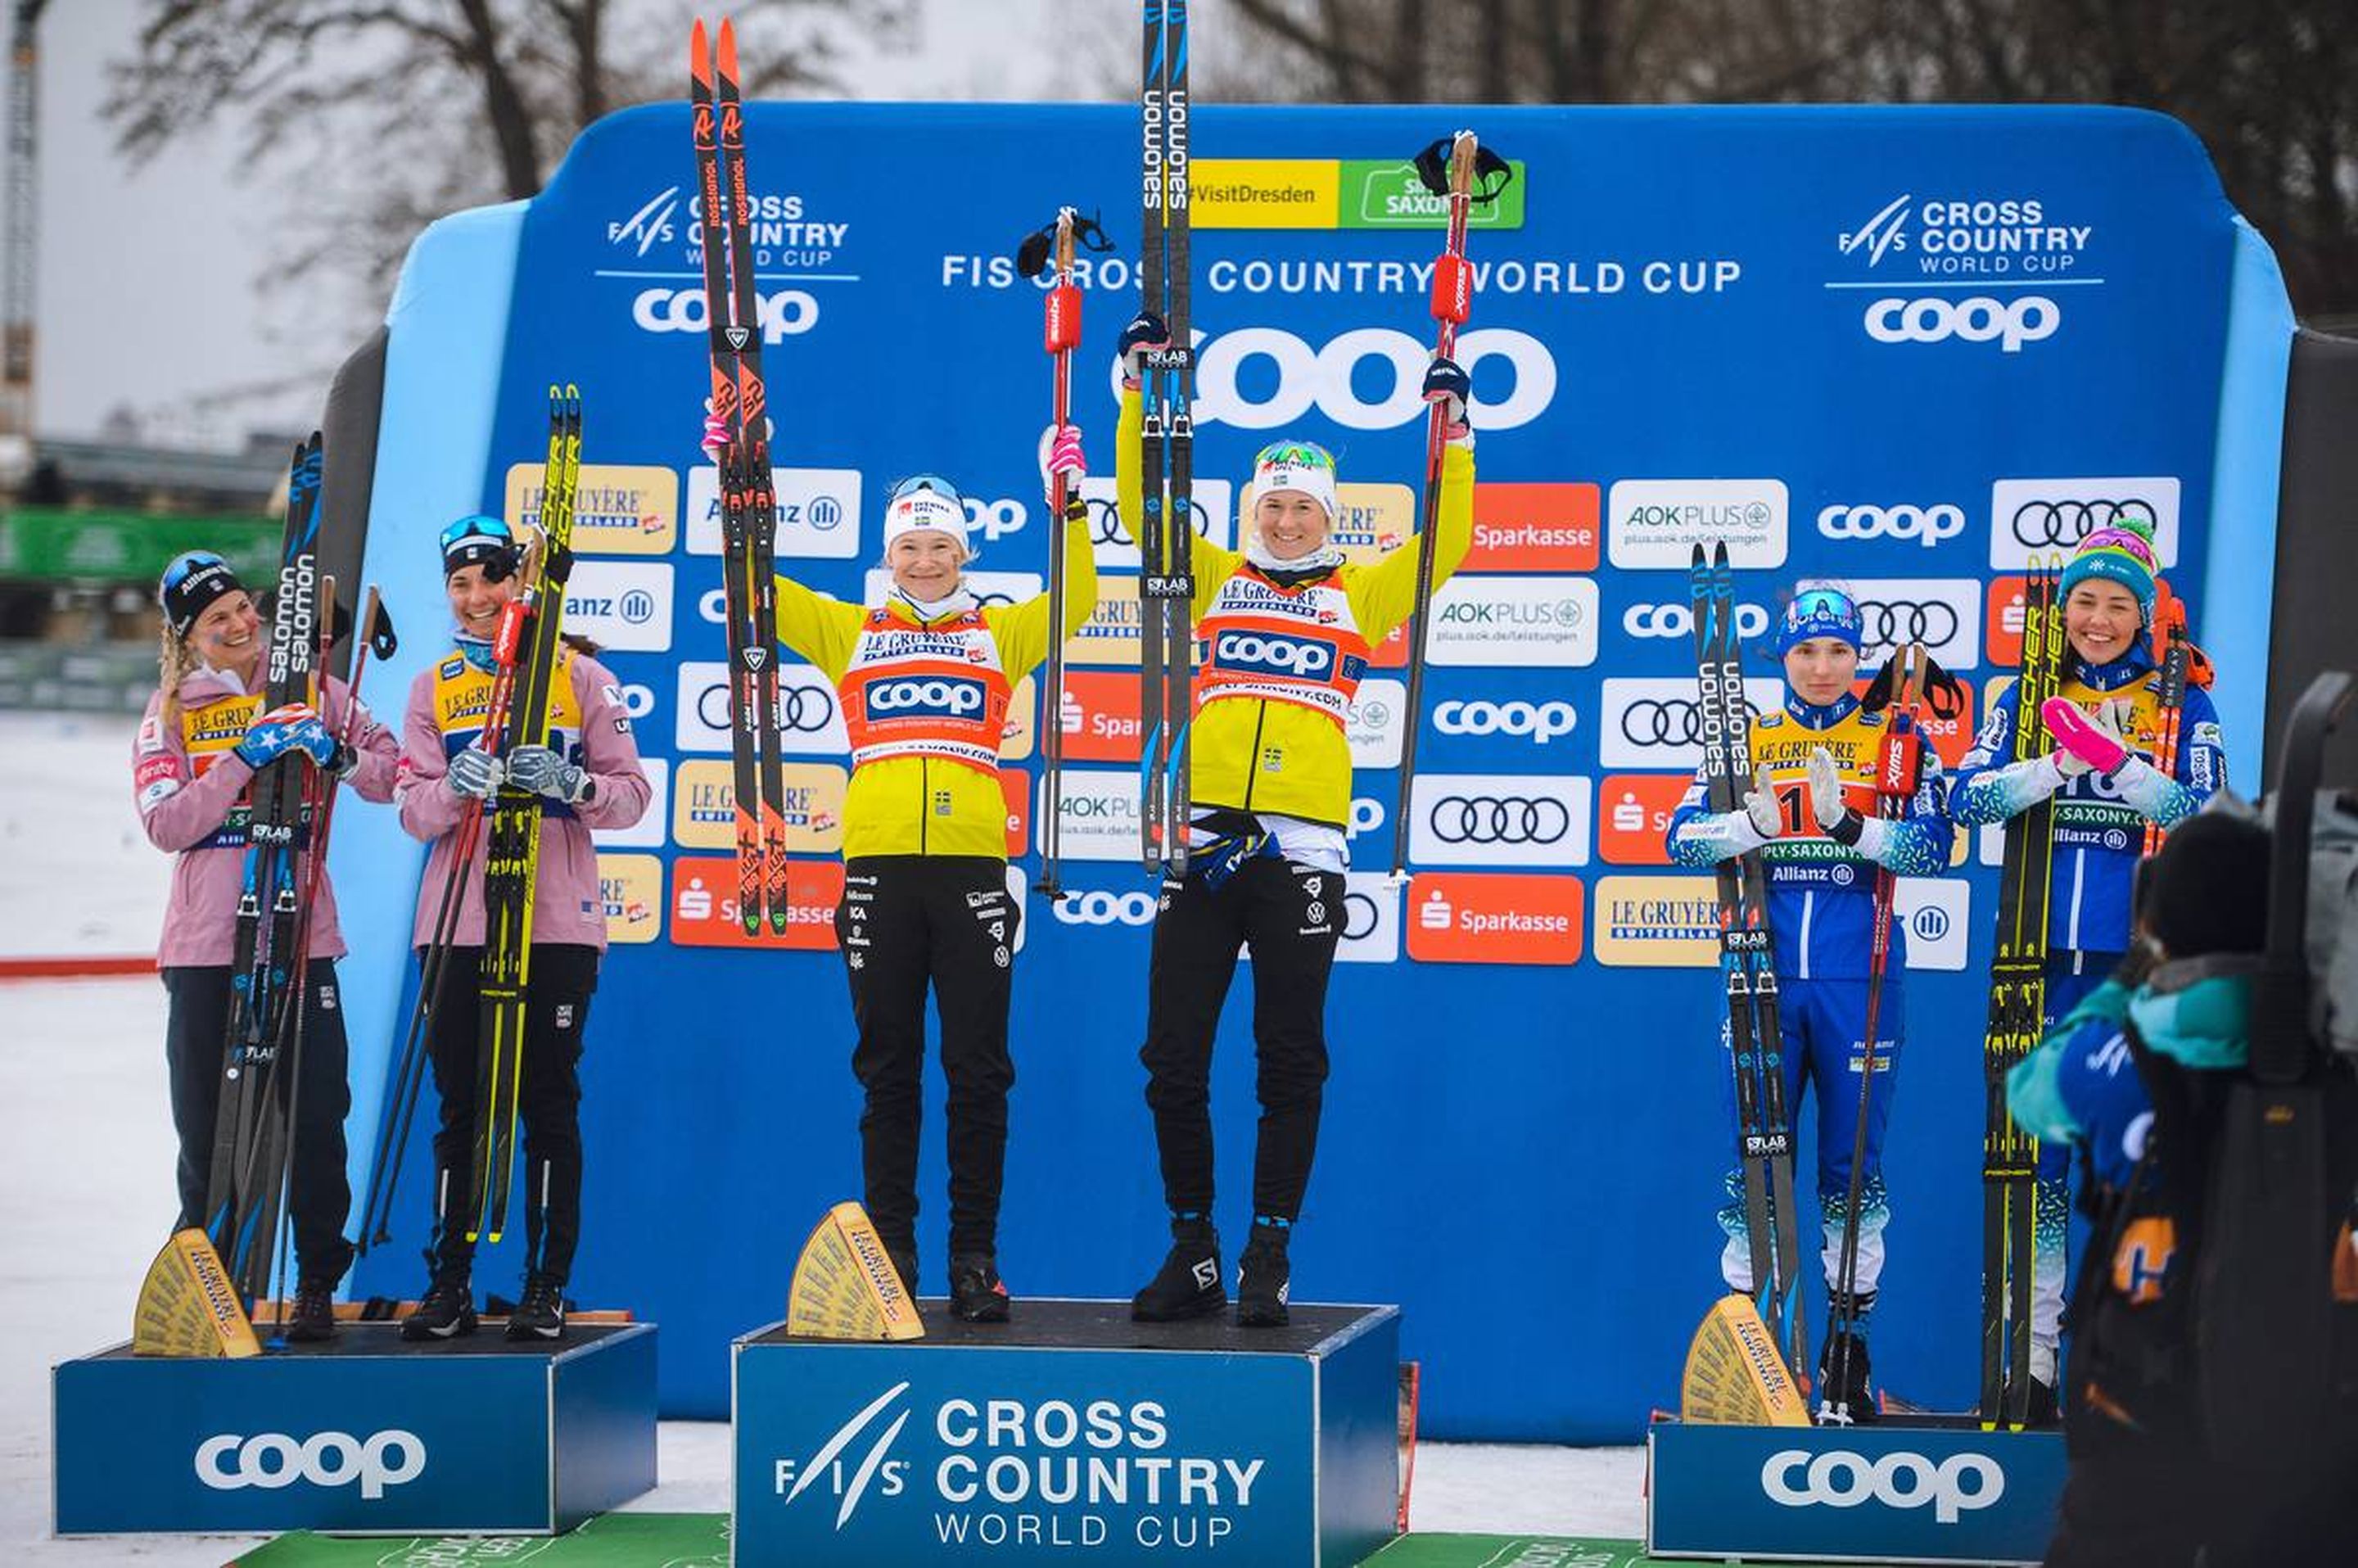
(557, 988)
(319, 1195)
(905, 922)
(1291, 917)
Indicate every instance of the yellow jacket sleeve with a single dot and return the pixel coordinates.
(1213, 565)
(1383, 595)
(1022, 630)
(823, 631)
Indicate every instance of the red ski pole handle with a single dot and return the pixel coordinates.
(1902, 756)
(509, 638)
(1453, 288)
(1064, 325)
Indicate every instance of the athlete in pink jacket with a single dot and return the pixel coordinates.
(589, 776)
(205, 733)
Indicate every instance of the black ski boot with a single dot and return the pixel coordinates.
(446, 1312)
(2044, 1412)
(1188, 1283)
(1263, 1276)
(977, 1293)
(1844, 1398)
(313, 1318)
(541, 1314)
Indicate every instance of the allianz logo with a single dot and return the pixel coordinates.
(270, 1460)
(1841, 1479)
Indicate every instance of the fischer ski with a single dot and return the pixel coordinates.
(1747, 967)
(512, 852)
(748, 498)
(2016, 1012)
(265, 1023)
(1167, 581)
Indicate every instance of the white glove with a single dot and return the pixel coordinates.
(1826, 802)
(1761, 805)
(474, 774)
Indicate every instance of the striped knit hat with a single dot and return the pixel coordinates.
(2121, 554)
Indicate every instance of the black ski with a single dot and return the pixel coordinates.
(1166, 582)
(263, 1029)
(2016, 1014)
(1747, 965)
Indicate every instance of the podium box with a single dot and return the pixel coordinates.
(1071, 1429)
(1886, 1493)
(366, 1434)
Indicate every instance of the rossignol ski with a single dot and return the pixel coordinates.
(2017, 1010)
(511, 853)
(1449, 168)
(749, 511)
(263, 1029)
(1167, 581)
(1898, 769)
(1748, 968)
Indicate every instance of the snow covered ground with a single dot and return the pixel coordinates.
(86, 1178)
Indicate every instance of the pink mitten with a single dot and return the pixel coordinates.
(2076, 732)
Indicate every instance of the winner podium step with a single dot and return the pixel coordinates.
(365, 1433)
(1071, 1429)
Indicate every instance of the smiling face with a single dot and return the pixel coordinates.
(228, 635)
(476, 599)
(926, 563)
(2101, 619)
(1291, 522)
(1819, 669)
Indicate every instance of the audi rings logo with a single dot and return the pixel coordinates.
(2039, 525)
(1651, 721)
(802, 710)
(1840, 1479)
(1891, 621)
(1099, 908)
(926, 698)
(2009, 323)
(1678, 620)
(1538, 722)
(1928, 525)
(1498, 819)
(270, 1460)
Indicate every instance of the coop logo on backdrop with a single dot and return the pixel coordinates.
(1678, 620)
(2010, 323)
(1836, 1478)
(1921, 526)
(1947, 235)
(2046, 517)
(818, 512)
(624, 606)
(1657, 523)
(1511, 621)
(1261, 378)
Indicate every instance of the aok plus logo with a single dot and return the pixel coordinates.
(1795, 1478)
(230, 1461)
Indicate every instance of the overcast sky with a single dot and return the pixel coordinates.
(151, 283)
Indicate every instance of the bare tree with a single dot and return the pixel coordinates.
(2270, 86)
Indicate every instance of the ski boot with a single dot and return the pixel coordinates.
(1264, 1274)
(1844, 1395)
(541, 1314)
(977, 1293)
(313, 1317)
(446, 1312)
(1188, 1283)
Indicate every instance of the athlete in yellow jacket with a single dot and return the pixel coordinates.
(1284, 631)
(925, 680)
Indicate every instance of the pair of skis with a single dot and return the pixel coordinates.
(2017, 1020)
(749, 509)
(524, 651)
(262, 1032)
(1748, 969)
(1166, 582)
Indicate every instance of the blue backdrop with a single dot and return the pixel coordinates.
(1896, 347)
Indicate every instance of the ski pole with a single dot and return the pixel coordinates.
(1061, 335)
(1453, 301)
